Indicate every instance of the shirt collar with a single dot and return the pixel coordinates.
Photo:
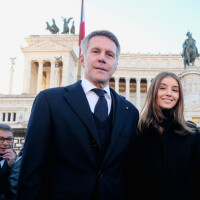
(88, 86)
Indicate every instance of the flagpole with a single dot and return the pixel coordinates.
(81, 36)
(79, 70)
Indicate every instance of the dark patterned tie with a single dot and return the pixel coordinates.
(101, 108)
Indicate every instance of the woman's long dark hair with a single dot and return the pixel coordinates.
(151, 114)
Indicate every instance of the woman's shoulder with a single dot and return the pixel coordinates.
(192, 125)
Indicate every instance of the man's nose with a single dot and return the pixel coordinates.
(101, 58)
(5, 142)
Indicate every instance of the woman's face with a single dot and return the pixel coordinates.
(168, 93)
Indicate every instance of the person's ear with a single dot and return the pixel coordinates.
(82, 61)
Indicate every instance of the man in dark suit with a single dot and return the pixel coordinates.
(72, 153)
(7, 158)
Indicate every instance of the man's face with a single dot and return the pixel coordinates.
(6, 144)
(100, 61)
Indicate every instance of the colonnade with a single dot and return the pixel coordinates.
(8, 116)
(36, 70)
(41, 74)
(127, 92)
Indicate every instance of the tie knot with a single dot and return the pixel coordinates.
(99, 92)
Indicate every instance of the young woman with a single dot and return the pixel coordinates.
(168, 147)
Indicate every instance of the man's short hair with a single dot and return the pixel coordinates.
(108, 34)
(6, 127)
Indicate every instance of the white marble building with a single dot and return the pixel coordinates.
(132, 78)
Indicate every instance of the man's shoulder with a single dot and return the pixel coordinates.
(123, 99)
(58, 90)
(131, 105)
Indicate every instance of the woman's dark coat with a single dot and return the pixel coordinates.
(168, 165)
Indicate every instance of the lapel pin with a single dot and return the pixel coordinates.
(126, 108)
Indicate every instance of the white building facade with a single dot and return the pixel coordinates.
(52, 61)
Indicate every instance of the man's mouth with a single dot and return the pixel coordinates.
(100, 68)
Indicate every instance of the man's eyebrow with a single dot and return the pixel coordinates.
(97, 48)
(94, 48)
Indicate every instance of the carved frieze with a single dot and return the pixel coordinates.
(46, 46)
(51, 43)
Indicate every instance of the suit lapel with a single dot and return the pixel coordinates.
(76, 98)
(120, 114)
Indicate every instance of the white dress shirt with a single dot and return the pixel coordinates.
(2, 162)
(92, 97)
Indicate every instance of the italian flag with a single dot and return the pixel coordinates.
(82, 24)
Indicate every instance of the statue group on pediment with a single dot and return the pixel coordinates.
(66, 30)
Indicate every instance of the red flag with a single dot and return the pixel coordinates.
(82, 24)
(81, 37)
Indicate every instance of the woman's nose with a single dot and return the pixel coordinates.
(169, 92)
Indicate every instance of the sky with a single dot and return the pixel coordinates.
(142, 26)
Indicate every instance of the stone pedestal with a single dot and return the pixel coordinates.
(190, 79)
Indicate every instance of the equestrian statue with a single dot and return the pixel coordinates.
(190, 51)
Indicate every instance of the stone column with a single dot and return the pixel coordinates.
(138, 93)
(148, 83)
(11, 116)
(27, 76)
(127, 87)
(116, 84)
(52, 75)
(11, 80)
(6, 117)
(40, 75)
(65, 70)
(57, 69)
(47, 79)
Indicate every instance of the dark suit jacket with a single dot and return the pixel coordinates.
(4, 181)
(62, 158)
(13, 178)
